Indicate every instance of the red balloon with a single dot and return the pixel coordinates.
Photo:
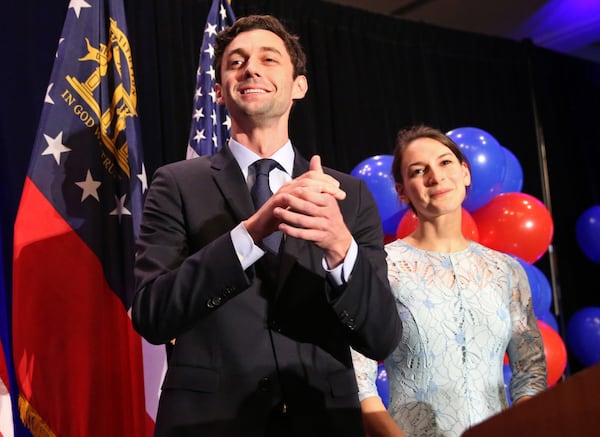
(517, 224)
(556, 352)
(409, 222)
(469, 226)
(388, 238)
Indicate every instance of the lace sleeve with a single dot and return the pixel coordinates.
(366, 375)
(526, 348)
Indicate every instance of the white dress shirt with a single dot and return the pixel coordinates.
(248, 252)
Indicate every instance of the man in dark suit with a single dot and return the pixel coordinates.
(261, 340)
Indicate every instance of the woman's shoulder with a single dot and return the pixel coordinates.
(500, 257)
(398, 245)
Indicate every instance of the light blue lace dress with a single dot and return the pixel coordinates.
(461, 312)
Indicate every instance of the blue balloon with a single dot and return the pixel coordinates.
(376, 171)
(548, 318)
(507, 373)
(541, 291)
(531, 277)
(588, 233)
(487, 162)
(512, 182)
(390, 225)
(383, 388)
(543, 299)
(583, 335)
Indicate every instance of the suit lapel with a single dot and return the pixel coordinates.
(230, 180)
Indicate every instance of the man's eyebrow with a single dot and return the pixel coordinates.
(270, 49)
(265, 49)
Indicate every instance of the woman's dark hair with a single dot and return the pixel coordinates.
(408, 135)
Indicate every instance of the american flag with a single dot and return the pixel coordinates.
(210, 122)
(79, 363)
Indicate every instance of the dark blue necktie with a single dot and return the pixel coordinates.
(260, 193)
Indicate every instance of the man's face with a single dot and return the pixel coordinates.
(257, 77)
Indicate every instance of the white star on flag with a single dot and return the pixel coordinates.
(47, 98)
(143, 178)
(120, 209)
(55, 147)
(77, 5)
(89, 187)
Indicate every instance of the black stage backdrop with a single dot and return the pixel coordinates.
(369, 75)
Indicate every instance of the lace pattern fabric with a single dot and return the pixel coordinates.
(461, 312)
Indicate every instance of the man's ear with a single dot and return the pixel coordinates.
(300, 87)
(219, 94)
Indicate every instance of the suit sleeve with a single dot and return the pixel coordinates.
(175, 284)
(366, 305)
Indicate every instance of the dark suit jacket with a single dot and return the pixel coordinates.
(247, 345)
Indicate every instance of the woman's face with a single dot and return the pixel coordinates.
(434, 180)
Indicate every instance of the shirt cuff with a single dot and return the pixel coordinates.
(341, 274)
(247, 252)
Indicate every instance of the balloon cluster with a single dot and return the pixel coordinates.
(498, 215)
(583, 330)
(495, 211)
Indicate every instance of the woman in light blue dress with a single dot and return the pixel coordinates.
(463, 306)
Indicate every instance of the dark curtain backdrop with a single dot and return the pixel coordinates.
(369, 75)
